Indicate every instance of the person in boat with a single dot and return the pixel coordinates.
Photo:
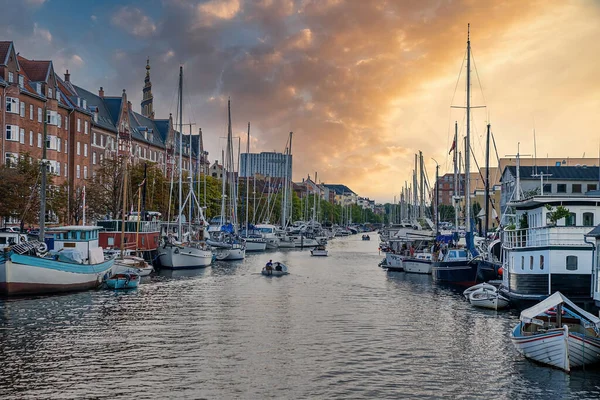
(269, 266)
(278, 267)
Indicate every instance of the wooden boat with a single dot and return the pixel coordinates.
(558, 333)
(275, 270)
(320, 251)
(486, 298)
(133, 264)
(128, 280)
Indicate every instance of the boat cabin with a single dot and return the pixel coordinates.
(11, 238)
(78, 243)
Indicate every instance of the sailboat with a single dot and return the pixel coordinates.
(76, 262)
(183, 245)
(254, 241)
(228, 244)
(456, 266)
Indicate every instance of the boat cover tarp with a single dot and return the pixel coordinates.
(227, 228)
(70, 256)
(552, 301)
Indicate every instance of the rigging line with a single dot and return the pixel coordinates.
(478, 80)
(451, 102)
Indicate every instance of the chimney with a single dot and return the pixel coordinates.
(67, 76)
(101, 92)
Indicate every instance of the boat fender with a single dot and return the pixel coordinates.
(552, 311)
(176, 251)
(23, 238)
(42, 247)
(500, 271)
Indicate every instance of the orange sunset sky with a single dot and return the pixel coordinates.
(364, 84)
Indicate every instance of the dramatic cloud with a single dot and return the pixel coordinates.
(133, 21)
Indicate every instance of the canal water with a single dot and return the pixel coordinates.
(336, 327)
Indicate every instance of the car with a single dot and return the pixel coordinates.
(12, 229)
(34, 232)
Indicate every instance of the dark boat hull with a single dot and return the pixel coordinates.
(487, 271)
(461, 273)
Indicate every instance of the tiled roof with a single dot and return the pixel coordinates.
(573, 173)
(4, 50)
(36, 71)
(594, 232)
(105, 118)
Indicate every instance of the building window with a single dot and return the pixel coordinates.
(576, 188)
(39, 114)
(592, 186)
(561, 188)
(94, 157)
(58, 147)
(22, 136)
(66, 146)
(22, 114)
(10, 159)
(31, 138)
(78, 125)
(12, 133)
(59, 120)
(588, 219)
(94, 138)
(78, 172)
(66, 169)
(12, 105)
(49, 93)
(21, 81)
(85, 149)
(85, 126)
(571, 220)
(541, 262)
(571, 263)
(11, 77)
(78, 148)
(40, 140)
(84, 172)
(31, 112)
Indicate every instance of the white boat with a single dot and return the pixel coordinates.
(483, 285)
(269, 233)
(485, 298)
(303, 241)
(237, 252)
(558, 333)
(393, 261)
(286, 242)
(132, 264)
(278, 269)
(255, 244)
(76, 263)
(174, 255)
(320, 251)
(421, 263)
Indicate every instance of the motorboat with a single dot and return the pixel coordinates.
(557, 333)
(420, 263)
(320, 251)
(121, 281)
(277, 269)
(366, 237)
(456, 268)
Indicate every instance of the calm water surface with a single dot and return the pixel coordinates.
(337, 327)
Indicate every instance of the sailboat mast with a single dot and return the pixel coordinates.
(223, 187)
(43, 186)
(180, 152)
(314, 216)
(247, 177)
(191, 178)
(290, 181)
(468, 140)
(456, 175)
(487, 181)
(284, 204)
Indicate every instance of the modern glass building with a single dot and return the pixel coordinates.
(267, 163)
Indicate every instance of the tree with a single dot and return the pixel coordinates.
(447, 213)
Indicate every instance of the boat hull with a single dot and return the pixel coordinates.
(123, 283)
(255, 246)
(318, 253)
(460, 273)
(393, 260)
(305, 242)
(183, 257)
(231, 254)
(119, 268)
(417, 266)
(487, 271)
(488, 299)
(27, 275)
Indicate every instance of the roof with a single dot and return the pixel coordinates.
(37, 71)
(339, 189)
(564, 173)
(105, 119)
(4, 51)
(552, 301)
(594, 232)
(75, 228)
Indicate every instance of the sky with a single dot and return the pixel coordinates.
(363, 84)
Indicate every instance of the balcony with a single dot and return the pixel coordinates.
(546, 236)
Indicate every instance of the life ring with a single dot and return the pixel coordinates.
(22, 238)
(42, 247)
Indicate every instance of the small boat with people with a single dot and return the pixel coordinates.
(366, 237)
(275, 269)
(557, 333)
(319, 251)
(121, 281)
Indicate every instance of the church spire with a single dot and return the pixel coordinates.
(147, 109)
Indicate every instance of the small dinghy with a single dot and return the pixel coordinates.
(484, 285)
(366, 237)
(132, 264)
(485, 297)
(556, 332)
(277, 269)
(320, 251)
(127, 280)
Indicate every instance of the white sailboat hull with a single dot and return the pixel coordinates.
(181, 257)
(255, 246)
(272, 243)
(119, 268)
(393, 260)
(231, 254)
(305, 242)
(417, 266)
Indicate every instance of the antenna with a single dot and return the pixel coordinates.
(518, 190)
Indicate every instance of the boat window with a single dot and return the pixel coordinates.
(576, 188)
(2, 240)
(572, 263)
(541, 262)
(111, 241)
(571, 220)
(588, 219)
(530, 262)
(72, 235)
(462, 254)
(522, 262)
(547, 188)
(561, 188)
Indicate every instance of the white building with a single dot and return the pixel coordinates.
(267, 164)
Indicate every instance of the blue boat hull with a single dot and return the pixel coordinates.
(122, 283)
(461, 273)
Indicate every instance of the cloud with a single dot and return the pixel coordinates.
(134, 21)
(217, 10)
(42, 33)
(35, 3)
(93, 18)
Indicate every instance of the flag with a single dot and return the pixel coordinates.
(453, 146)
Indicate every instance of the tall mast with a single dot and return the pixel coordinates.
(456, 176)
(180, 153)
(43, 187)
(314, 216)
(468, 145)
(284, 204)
(223, 189)
(191, 178)
(422, 186)
(247, 177)
(487, 181)
(290, 178)
(415, 191)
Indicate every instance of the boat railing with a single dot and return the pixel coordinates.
(545, 236)
(113, 225)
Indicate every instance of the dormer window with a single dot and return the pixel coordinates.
(10, 77)
(49, 93)
(58, 94)
(21, 81)
(84, 103)
(78, 102)
(38, 88)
